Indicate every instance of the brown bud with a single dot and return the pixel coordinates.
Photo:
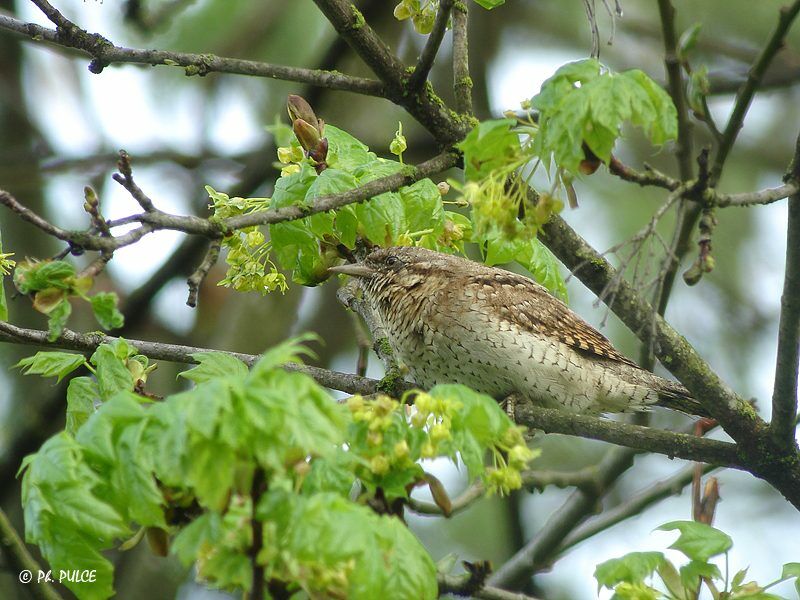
(307, 134)
(300, 109)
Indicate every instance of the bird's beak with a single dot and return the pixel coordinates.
(353, 269)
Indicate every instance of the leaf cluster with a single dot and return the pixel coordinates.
(52, 283)
(242, 447)
(630, 575)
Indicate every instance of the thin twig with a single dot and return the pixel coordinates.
(435, 37)
(125, 179)
(784, 395)
(744, 96)
(105, 53)
(632, 506)
(20, 560)
(158, 220)
(677, 92)
(199, 275)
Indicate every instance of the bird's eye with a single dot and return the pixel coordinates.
(392, 261)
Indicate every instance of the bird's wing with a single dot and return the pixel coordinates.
(527, 304)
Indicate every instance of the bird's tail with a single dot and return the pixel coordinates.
(673, 395)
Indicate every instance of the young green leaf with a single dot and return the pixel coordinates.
(585, 103)
(112, 372)
(104, 306)
(57, 319)
(51, 364)
(631, 568)
(82, 394)
(214, 365)
(698, 541)
(33, 276)
(692, 572)
(488, 146)
(490, 4)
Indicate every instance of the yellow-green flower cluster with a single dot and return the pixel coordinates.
(6, 264)
(436, 416)
(511, 456)
(380, 416)
(422, 14)
(290, 157)
(249, 266)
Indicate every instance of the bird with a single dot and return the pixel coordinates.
(449, 319)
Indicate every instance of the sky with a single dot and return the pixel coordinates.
(122, 112)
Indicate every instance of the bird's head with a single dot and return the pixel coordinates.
(396, 268)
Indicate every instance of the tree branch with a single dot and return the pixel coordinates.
(88, 342)
(155, 219)
(767, 196)
(734, 414)
(745, 95)
(631, 507)
(19, 559)
(784, 395)
(462, 82)
(683, 151)
(105, 53)
(435, 37)
(669, 443)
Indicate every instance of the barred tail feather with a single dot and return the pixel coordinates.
(673, 395)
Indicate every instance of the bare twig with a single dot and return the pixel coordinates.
(19, 559)
(431, 48)
(650, 176)
(744, 97)
(784, 396)
(632, 507)
(199, 275)
(530, 479)
(105, 53)
(767, 196)
(125, 179)
(156, 219)
(675, 84)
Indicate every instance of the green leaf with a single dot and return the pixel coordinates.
(214, 364)
(112, 373)
(698, 541)
(57, 319)
(344, 151)
(489, 4)
(631, 568)
(51, 364)
(488, 146)
(544, 266)
(585, 103)
(104, 306)
(791, 569)
(694, 570)
(82, 393)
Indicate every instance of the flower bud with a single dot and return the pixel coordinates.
(307, 134)
(300, 109)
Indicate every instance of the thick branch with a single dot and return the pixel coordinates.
(462, 82)
(105, 53)
(779, 466)
(88, 342)
(678, 445)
